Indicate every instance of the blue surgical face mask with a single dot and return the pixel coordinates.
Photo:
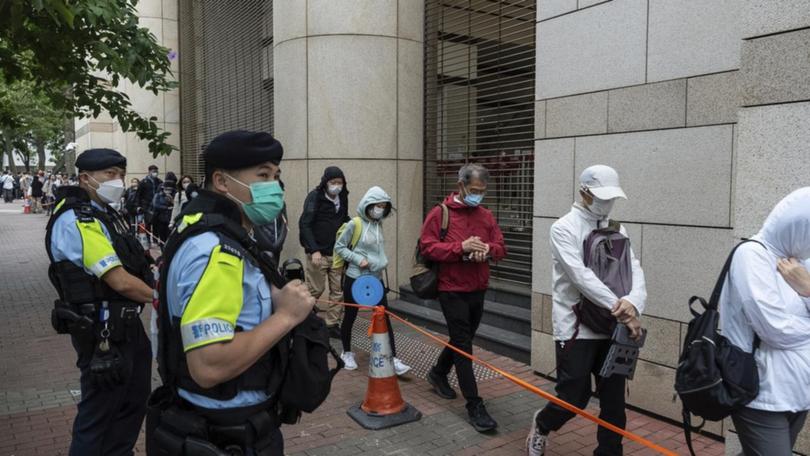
(267, 201)
(473, 200)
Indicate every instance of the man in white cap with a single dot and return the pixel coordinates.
(580, 351)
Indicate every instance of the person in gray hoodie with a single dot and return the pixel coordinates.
(367, 257)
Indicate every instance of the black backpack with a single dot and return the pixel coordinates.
(714, 377)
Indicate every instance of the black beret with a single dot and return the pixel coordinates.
(96, 159)
(242, 149)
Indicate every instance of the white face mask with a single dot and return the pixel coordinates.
(601, 207)
(335, 190)
(377, 213)
(110, 191)
(154, 174)
(185, 185)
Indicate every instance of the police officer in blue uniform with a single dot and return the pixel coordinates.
(220, 314)
(103, 277)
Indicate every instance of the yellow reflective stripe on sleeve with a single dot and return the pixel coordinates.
(187, 220)
(98, 255)
(211, 313)
(55, 209)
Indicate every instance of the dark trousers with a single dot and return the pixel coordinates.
(8, 195)
(576, 363)
(350, 314)
(767, 433)
(161, 230)
(108, 422)
(462, 312)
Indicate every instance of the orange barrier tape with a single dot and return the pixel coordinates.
(547, 396)
(142, 226)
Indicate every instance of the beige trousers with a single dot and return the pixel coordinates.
(317, 276)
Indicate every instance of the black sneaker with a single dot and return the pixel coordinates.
(480, 419)
(334, 331)
(440, 385)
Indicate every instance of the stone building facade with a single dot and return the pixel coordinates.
(702, 107)
(160, 17)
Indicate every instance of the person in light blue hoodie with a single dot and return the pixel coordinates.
(367, 257)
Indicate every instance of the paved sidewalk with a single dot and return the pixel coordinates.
(39, 385)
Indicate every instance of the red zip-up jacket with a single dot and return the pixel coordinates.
(456, 275)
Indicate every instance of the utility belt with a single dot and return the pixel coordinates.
(177, 428)
(110, 320)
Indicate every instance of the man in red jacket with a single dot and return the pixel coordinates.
(472, 240)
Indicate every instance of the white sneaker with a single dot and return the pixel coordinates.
(399, 367)
(536, 442)
(348, 361)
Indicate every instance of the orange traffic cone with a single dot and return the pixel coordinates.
(383, 406)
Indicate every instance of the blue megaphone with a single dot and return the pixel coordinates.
(367, 290)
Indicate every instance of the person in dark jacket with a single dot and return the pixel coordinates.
(36, 193)
(473, 239)
(325, 210)
(162, 205)
(131, 201)
(147, 189)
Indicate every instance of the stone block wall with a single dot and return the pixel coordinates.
(703, 107)
(651, 88)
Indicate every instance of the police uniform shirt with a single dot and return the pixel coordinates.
(212, 292)
(85, 244)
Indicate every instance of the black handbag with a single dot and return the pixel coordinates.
(425, 274)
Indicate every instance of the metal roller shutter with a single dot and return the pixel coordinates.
(479, 107)
(226, 72)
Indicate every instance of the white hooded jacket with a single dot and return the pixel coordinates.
(756, 298)
(571, 278)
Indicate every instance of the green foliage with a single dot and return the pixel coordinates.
(29, 120)
(78, 52)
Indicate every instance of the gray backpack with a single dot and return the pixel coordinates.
(607, 254)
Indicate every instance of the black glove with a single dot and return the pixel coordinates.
(108, 369)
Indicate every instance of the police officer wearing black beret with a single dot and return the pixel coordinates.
(103, 277)
(225, 310)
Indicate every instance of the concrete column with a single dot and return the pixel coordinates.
(348, 92)
(160, 17)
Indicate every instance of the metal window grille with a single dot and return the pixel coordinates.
(479, 107)
(226, 72)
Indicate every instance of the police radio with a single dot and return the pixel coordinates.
(293, 269)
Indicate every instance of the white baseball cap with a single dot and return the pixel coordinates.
(602, 181)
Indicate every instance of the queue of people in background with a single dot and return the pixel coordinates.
(182, 195)
(36, 189)
(767, 295)
(162, 205)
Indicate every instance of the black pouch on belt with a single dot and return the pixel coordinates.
(173, 431)
(123, 316)
(69, 319)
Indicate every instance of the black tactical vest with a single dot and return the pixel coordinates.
(219, 215)
(73, 284)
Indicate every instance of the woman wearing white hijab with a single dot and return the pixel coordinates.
(756, 299)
